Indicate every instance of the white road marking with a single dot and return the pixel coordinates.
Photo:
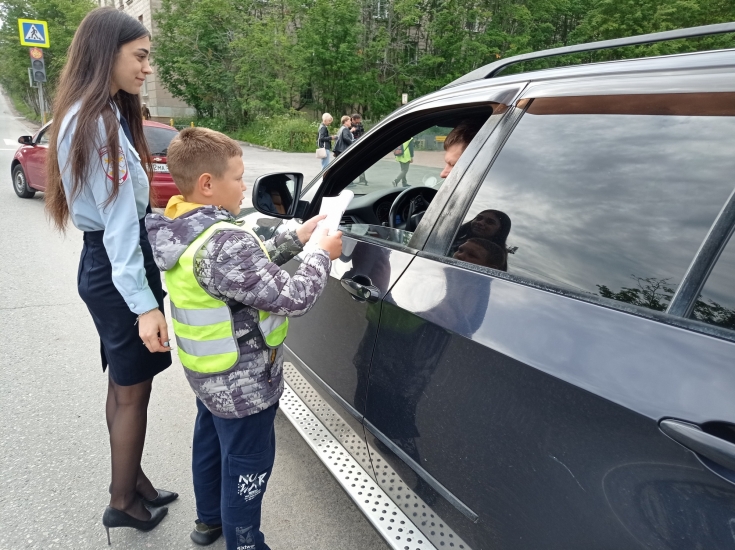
(10, 141)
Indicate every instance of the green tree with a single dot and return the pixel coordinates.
(63, 17)
(195, 57)
(268, 70)
(328, 54)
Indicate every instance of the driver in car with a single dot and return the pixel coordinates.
(456, 142)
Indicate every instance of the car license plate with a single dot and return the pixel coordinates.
(158, 167)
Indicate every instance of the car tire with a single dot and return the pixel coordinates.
(20, 183)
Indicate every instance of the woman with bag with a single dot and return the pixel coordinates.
(324, 140)
(345, 137)
(98, 171)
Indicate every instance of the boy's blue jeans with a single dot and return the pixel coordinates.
(232, 460)
(325, 160)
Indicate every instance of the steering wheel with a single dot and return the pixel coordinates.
(417, 200)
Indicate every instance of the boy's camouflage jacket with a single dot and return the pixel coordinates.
(232, 267)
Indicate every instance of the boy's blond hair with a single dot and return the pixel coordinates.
(196, 151)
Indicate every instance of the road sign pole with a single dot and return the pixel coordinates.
(40, 103)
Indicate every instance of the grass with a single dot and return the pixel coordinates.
(24, 110)
(284, 132)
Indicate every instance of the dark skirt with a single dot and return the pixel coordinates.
(121, 348)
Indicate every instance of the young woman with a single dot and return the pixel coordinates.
(98, 166)
(323, 138)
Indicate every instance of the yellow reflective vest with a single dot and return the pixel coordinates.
(203, 325)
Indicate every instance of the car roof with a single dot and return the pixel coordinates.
(719, 59)
(155, 124)
(493, 69)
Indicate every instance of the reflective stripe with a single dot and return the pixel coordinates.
(271, 323)
(207, 347)
(200, 317)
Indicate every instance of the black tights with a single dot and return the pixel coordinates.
(127, 415)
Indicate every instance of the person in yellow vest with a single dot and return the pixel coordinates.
(230, 304)
(404, 156)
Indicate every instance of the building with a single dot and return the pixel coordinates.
(162, 104)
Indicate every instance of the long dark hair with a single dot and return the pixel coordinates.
(465, 231)
(86, 77)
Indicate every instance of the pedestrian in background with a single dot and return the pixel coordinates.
(357, 132)
(357, 129)
(98, 175)
(344, 137)
(404, 156)
(324, 140)
(146, 112)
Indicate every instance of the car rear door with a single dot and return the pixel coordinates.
(521, 408)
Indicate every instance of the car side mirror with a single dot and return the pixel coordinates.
(278, 194)
(25, 140)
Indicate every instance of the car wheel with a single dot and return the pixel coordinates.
(20, 184)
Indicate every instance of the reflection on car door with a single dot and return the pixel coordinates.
(336, 339)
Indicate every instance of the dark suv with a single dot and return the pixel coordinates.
(538, 350)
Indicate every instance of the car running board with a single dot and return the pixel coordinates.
(329, 444)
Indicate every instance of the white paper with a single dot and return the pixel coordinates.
(334, 207)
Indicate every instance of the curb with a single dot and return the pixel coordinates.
(261, 147)
(30, 124)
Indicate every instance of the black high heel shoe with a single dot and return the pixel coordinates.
(163, 497)
(116, 518)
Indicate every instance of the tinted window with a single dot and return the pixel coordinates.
(597, 195)
(158, 139)
(716, 304)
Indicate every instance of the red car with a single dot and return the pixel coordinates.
(29, 173)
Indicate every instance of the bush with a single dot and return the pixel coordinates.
(290, 132)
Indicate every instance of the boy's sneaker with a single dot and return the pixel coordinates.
(204, 534)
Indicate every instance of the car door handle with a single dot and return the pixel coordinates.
(717, 450)
(361, 292)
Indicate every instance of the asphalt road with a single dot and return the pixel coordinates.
(54, 454)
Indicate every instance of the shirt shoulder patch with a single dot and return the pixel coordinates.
(108, 166)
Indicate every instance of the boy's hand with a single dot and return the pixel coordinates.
(307, 228)
(332, 244)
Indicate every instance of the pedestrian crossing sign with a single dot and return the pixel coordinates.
(33, 33)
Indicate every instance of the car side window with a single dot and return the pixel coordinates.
(417, 165)
(610, 196)
(716, 303)
(43, 137)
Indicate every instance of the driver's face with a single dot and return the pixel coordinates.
(451, 156)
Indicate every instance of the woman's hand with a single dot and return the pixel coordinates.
(153, 330)
(307, 228)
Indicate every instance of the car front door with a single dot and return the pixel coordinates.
(36, 160)
(333, 344)
(562, 399)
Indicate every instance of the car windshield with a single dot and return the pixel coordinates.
(158, 138)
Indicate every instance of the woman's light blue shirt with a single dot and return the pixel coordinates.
(120, 218)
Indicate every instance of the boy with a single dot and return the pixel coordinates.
(229, 302)
(481, 252)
